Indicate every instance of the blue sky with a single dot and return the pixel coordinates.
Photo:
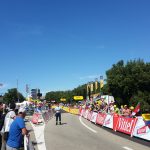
(61, 44)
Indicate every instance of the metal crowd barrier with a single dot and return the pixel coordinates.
(27, 143)
(47, 115)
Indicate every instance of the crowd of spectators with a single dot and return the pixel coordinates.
(111, 108)
(12, 126)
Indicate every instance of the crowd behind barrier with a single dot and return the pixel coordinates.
(137, 126)
(98, 112)
(126, 120)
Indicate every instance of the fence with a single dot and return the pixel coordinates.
(137, 127)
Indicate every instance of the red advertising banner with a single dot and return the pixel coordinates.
(115, 120)
(89, 115)
(101, 118)
(126, 125)
(80, 110)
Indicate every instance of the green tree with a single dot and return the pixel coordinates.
(57, 95)
(12, 96)
(129, 81)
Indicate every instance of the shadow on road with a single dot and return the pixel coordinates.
(63, 123)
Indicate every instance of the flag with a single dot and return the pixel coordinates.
(136, 110)
(87, 88)
(91, 87)
(95, 84)
(101, 83)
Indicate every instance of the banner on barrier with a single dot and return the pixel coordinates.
(74, 111)
(101, 118)
(86, 113)
(142, 130)
(89, 115)
(126, 125)
(108, 121)
(133, 126)
(82, 112)
(93, 117)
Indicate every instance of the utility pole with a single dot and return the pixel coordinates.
(17, 92)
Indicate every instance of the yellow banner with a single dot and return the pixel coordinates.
(146, 117)
(91, 87)
(78, 97)
(74, 111)
(101, 83)
(96, 85)
(63, 99)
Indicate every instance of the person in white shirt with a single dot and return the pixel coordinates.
(9, 118)
(58, 114)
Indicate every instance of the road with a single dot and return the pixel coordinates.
(77, 133)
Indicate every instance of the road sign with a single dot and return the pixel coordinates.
(78, 97)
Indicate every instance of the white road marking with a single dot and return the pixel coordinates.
(127, 148)
(86, 125)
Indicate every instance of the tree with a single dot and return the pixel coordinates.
(129, 81)
(68, 95)
(12, 96)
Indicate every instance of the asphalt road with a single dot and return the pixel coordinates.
(77, 133)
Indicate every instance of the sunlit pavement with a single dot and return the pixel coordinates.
(78, 133)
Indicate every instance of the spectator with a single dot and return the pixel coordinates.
(9, 118)
(126, 111)
(17, 130)
(117, 110)
(121, 109)
(2, 118)
(111, 108)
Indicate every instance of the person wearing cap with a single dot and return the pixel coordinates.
(117, 110)
(111, 108)
(17, 131)
(121, 109)
(9, 118)
(131, 109)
